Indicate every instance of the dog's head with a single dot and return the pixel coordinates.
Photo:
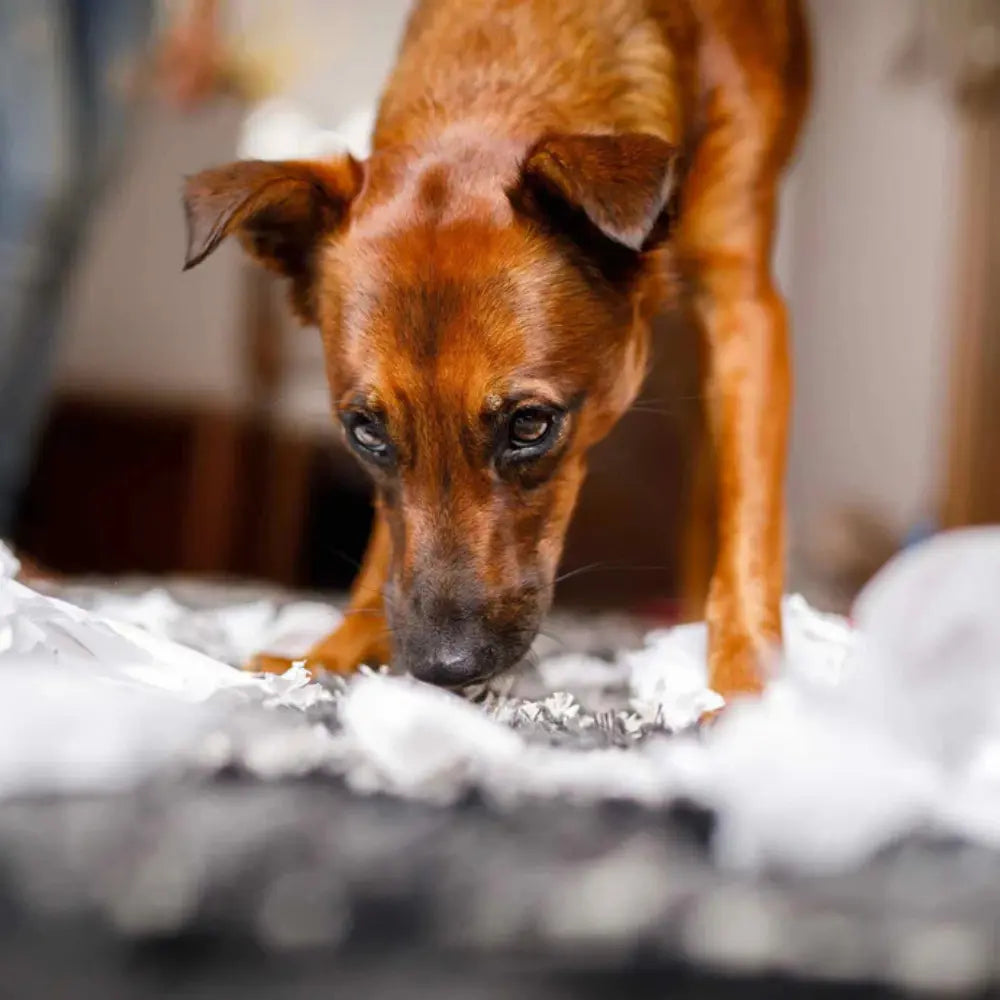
(483, 328)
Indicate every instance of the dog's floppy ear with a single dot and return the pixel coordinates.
(622, 184)
(280, 210)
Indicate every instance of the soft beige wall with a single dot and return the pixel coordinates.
(137, 325)
(866, 257)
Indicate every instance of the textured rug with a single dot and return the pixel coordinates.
(573, 820)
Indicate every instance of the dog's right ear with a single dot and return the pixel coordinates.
(281, 211)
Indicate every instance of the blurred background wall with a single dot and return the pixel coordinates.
(871, 254)
(868, 258)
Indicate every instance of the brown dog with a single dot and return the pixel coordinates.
(485, 284)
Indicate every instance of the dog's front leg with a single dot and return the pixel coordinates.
(363, 636)
(747, 393)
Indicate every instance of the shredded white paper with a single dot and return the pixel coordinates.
(864, 735)
(92, 703)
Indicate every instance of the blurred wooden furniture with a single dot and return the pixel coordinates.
(122, 485)
(291, 424)
(954, 43)
(972, 490)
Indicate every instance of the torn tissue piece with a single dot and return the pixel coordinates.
(668, 678)
(803, 785)
(406, 738)
(89, 703)
(232, 633)
(60, 731)
(415, 740)
(931, 632)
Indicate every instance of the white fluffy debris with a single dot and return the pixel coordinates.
(668, 679)
(89, 703)
(855, 747)
(863, 736)
(233, 633)
(931, 661)
(415, 740)
(803, 785)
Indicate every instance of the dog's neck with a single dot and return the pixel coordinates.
(512, 72)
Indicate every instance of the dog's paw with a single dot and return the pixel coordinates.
(744, 639)
(265, 663)
(361, 639)
(708, 719)
(738, 662)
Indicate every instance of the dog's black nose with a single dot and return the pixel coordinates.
(453, 667)
(452, 643)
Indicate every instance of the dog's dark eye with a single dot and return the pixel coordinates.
(530, 427)
(531, 431)
(367, 433)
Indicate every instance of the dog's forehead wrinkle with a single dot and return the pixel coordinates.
(431, 200)
(458, 170)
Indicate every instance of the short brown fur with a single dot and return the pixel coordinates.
(546, 176)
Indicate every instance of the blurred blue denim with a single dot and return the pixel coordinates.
(63, 119)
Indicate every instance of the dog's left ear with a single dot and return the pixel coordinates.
(280, 211)
(622, 184)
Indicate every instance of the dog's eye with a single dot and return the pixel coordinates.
(368, 434)
(531, 431)
(530, 427)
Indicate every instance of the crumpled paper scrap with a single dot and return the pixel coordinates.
(90, 703)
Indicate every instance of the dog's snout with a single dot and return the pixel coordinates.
(454, 667)
(458, 649)
(449, 630)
